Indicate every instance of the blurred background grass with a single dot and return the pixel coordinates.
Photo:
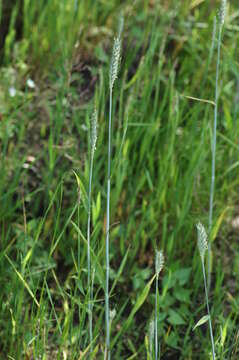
(54, 67)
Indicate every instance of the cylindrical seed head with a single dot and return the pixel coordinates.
(202, 240)
(159, 261)
(93, 135)
(114, 67)
(222, 12)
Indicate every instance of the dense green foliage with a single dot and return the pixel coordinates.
(52, 76)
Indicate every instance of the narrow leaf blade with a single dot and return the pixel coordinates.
(202, 321)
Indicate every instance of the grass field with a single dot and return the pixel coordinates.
(55, 63)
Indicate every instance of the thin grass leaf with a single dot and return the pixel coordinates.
(23, 281)
(202, 321)
(121, 268)
(99, 269)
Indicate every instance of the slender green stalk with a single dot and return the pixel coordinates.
(156, 318)
(88, 254)
(208, 311)
(90, 286)
(151, 338)
(214, 140)
(78, 224)
(112, 77)
(159, 262)
(210, 51)
(203, 247)
(107, 313)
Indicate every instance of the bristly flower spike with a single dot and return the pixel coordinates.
(202, 240)
(94, 125)
(159, 261)
(115, 61)
(223, 10)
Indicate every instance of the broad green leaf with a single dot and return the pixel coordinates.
(169, 281)
(167, 301)
(175, 318)
(172, 340)
(182, 275)
(183, 295)
(202, 321)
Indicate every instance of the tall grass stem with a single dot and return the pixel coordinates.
(88, 254)
(107, 312)
(214, 144)
(159, 263)
(156, 318)
(208, 310)
(93, 138)
(202, 243)
(113, 73)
